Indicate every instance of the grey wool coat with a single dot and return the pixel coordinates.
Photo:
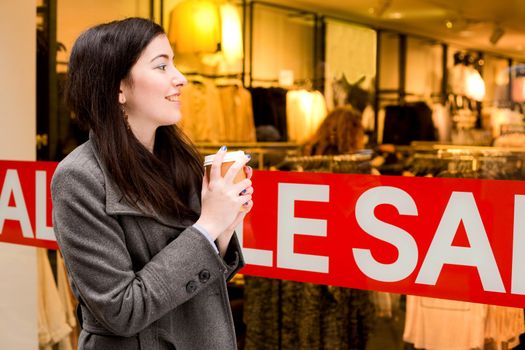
(144, 281)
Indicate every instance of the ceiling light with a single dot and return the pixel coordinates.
(496, 34)
(396, 15)
(457, 24)
(379, 9)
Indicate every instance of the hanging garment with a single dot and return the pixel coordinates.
(442, 121)
(289, 315)
(347, 318)
(305, 111)
(407, 123)
(504, 326)
(195, 27)
(439, 324)
(202, 118)
(69, 302)
(261, 314)
(345, 93)
(516, 140)
(52, 323)
(236, 103)
(301, 315)
(269, 108)
(466, 81)
(502, 116)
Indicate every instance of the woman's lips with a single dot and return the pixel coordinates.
(173, 98)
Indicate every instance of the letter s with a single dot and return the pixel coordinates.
(402, 240)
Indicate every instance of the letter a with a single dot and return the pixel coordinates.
(19, 211)
(461, 207)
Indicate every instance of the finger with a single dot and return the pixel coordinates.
(241, 185)
(248, 171)
(215, 171)
(248, 190)
(205, 183)
(247, 207)
(236, 167)
(246, 198)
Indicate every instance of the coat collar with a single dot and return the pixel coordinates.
(116, 203)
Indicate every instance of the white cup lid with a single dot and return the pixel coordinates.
(228, 157)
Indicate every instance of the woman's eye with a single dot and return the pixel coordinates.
(162, 67)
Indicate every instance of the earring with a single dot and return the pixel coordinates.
(125, 116)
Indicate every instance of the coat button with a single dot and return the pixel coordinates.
(191, 287)
(204, 276)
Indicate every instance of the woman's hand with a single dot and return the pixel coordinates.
(222, 199)
(224, 238)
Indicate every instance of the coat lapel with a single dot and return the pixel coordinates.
(116, 203)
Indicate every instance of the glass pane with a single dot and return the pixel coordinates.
(496, 76)
(424, 67)
(282, 40)
(350, 54)
(389, 64)
(70, 24)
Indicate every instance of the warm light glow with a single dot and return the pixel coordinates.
(474, 85)
(231, 33)
(195, 27)
(449, 24)
(396, 15)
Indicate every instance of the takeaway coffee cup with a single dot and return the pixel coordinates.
(229, 159)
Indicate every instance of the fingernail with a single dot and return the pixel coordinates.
(223, 148)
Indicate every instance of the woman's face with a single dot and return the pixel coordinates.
(152, 97)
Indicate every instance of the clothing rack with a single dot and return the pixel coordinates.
(357, 162)
(308, 84)
(213, 76)
(506, 129)
(468, 161)
(260, 151)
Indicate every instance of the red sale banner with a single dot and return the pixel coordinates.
(447, 238)
(25, 203)
(458, 239)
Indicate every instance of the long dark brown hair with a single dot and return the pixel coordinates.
(340, 132)
(100, 59)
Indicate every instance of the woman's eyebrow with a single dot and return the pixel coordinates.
(160, 56)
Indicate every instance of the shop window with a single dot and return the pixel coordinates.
(424, 68)
(389, 61)
(350, 54)
(282, 41)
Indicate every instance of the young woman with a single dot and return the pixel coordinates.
(148, 242)
(340, 132)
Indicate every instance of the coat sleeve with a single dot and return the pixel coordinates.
(233, 258)
(93, 244)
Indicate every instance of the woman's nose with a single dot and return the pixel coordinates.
(179, 79)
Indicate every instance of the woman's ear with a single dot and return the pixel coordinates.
(121, 97)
